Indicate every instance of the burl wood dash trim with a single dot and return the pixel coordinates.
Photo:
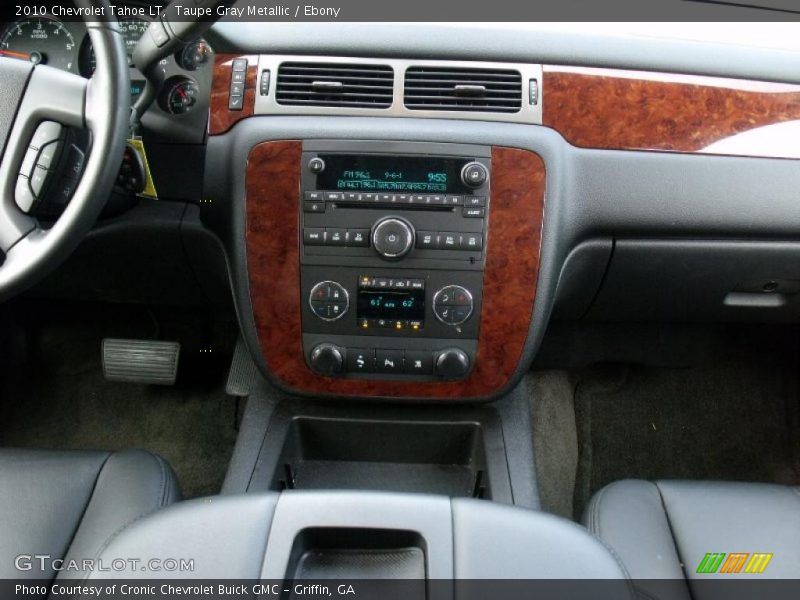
(512, 270)
(220, 118)
(633, 110)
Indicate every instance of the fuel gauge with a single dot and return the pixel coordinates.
(180, 95)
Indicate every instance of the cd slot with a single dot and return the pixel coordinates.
(396, 206)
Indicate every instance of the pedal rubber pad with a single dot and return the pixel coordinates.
(243, 371)
(140, 361)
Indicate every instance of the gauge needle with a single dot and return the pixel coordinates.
(12, 54)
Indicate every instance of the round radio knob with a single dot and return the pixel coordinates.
(392, 237)
(474, 175)
(316, 165)
(327, 359)
(452, 363)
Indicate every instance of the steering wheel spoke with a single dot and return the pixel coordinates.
(43, 156)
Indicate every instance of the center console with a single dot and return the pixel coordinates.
(392, 258)
(393, 269)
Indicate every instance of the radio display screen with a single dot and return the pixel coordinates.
(391, 305)
(378, 173)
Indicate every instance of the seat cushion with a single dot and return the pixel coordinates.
(665, 529)
(69, 504)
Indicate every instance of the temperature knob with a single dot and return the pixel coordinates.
(452, 363)
(392, 238)
(327, 359)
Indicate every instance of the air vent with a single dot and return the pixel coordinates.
(459, 89)
(335, 84)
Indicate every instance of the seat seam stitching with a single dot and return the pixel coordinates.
(681, 562)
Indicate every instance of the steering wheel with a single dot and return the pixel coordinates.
(34, 94)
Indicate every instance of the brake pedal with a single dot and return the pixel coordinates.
(140, 361)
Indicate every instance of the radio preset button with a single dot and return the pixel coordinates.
(329, 300)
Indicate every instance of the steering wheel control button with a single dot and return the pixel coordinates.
(23, 195)
(327, 360)
(474, 175)
(46, 132)
(453, 305)
(452, 364)
(316, 165)
(329, 300)
(392, 238)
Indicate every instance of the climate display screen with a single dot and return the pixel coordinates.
(374, 173)
(391, 305)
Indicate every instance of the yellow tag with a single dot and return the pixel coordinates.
(149, 187)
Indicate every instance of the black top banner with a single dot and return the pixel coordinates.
(409, 10)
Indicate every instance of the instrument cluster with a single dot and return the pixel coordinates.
(66, 45)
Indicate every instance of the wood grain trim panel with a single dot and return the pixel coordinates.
(510, 278)
(220, 119)
(633, 110)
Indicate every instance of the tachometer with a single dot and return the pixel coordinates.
(40, 40)
(132, 31)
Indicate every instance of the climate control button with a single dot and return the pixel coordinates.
(453, 305)
(329, 300)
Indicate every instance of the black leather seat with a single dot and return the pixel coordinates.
(665, 529)
(68, 505)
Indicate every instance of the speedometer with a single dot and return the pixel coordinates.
(40, 40)
(132, 31)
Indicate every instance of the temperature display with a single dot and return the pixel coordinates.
(376, 173)
(391, 304)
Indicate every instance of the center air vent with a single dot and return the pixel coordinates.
(463, 89)
(334, 84)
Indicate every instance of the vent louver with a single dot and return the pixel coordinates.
(463, 89)
(334, 84)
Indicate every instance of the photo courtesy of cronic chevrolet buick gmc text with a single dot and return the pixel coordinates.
(293, 305)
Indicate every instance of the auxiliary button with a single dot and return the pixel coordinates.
(360, 360)
(389, 361)
(419, 363)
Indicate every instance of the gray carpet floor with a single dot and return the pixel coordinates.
(56, 397)
(733, 417)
